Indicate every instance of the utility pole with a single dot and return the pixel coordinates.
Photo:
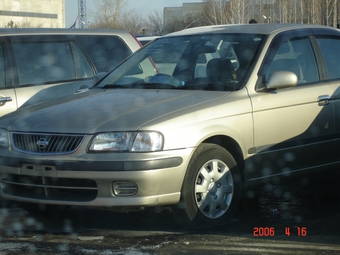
(82, 14)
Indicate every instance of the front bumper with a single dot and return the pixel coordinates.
(103, 180)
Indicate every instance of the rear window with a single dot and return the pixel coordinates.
(48, 62)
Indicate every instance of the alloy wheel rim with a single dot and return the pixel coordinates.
(214, 189)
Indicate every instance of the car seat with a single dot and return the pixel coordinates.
(219, 69)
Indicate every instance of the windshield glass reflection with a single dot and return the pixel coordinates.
(209, 62)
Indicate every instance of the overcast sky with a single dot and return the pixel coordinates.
(142, 6)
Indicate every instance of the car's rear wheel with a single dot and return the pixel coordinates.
(211, 189)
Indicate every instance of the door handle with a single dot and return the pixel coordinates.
(323, 100)
(4, 100)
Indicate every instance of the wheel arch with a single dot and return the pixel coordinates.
(232, 147)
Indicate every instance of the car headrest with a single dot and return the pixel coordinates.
(220, 69)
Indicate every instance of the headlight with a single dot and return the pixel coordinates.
(147, 141)
(111, 142)
(4, 142)
(127, 141)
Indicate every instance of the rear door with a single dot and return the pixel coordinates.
(8, 101)
(328, 45)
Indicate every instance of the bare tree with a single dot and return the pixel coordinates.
(330, 11)
(215, 12)
(336, 13)
(112, 14)
(187, 20)
(108, 14)
(131, 22)
(237, 14)
(193, 19)
(11, 24)
(302, 8)
(174, 24)
(24, 24)
(316, 13)
(154, 23)
(180, 23)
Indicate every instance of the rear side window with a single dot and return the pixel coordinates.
(48, 62)
(82, 66)
(106, 51)
(331, 56)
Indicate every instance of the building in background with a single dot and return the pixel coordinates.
(192, 7)
(32, 13)
(172, 15)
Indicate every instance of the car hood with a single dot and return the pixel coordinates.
(104, 110)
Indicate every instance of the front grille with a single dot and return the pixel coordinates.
(46, 143)
(50, 188)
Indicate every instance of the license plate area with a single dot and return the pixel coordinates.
(38, 170)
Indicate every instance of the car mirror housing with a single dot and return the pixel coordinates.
(279, 80)
(98, 77)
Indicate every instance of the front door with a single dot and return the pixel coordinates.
(293, 127)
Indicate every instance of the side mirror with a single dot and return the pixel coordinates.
(98, 77)
(279, 80)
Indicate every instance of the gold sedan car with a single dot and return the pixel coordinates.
(188, 121)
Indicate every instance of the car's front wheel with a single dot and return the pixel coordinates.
(211, 189)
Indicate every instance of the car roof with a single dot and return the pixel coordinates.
(147, 38)
(257, 28)
(59, 31)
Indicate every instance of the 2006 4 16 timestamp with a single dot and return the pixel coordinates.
(270, 231)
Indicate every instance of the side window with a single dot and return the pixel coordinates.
(106, 52)
(2, 67)
(331, 56)
(82, 66)
(295, 56)
(46, 62)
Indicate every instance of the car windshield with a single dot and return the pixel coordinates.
(199, 62)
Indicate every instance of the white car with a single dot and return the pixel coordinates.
(32, 61)
(146, 39)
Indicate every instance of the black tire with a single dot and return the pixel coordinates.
(211, 189)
